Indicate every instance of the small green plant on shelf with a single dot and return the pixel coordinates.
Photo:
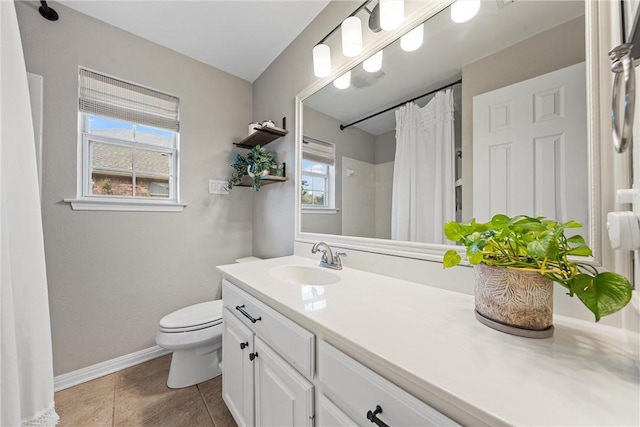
(256, 164)
(540, 245)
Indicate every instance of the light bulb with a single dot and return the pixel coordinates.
(464, 10)
(373, 63)
(321, 60)
(344, 81)
(391, 14)
(413, 39)
(351, 36)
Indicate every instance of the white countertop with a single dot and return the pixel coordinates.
(427, 341)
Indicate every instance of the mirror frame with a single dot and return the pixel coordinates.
(597, 31)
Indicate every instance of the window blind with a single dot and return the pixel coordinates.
(110, 97)
(318, 151)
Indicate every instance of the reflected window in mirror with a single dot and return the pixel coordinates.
(318, 175)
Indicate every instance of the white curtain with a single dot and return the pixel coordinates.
(423, 173)
(26, 369)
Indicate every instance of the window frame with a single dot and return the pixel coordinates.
(330, 207)
(84, 200)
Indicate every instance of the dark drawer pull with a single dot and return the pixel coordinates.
(241, 309)
(373, 417)
(253, 356)
(243, 345)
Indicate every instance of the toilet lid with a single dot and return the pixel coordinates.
(196, 316)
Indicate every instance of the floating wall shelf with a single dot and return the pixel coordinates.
(266, 180)
(262, 137)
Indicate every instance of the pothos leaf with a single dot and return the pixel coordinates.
(475, 258)
(581, 251)
(451, 258)
(603, 294)
(452, 231)
(500, 220)
(576, 239)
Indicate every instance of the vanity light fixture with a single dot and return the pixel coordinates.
(344, 81)
(386, 15)
(321, 60)
(373, 63)
(351, 36)
(464, 10)
(391, 14)
(413, 39)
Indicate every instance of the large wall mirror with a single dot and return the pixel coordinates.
(489, 116)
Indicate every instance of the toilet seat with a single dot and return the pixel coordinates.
(193, 318)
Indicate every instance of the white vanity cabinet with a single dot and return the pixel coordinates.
(266, 358)
(237, 378)
(359, 396)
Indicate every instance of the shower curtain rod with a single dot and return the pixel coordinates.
(343, 127)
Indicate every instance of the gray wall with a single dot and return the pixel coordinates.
(274, 95)
(551, 50)
(386, 147)
(113, 275)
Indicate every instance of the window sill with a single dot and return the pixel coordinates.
(330, 211)
(124, 205)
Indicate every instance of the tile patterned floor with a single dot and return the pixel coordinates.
(139, 396)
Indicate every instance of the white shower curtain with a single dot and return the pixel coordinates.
(423, 172)
(26, 370)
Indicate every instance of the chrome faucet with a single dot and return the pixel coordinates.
(328, 259)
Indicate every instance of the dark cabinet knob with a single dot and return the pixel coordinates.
(243, 345)
(373, 417)
(253, 356)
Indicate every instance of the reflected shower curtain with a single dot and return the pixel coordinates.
(26, 370)
(423, 175)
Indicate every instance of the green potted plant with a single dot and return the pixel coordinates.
(258, 163)
(516, 262)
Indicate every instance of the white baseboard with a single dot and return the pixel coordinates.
(107, 367)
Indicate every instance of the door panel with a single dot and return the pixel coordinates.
(283, 396)
(530, 148)
(237, 376)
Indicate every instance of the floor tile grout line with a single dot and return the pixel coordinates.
(113, 411)
(205, 405)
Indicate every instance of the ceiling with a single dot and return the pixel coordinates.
(241, 37)
(447, 48)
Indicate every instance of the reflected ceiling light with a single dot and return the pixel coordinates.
(464, 10)
(344, 81)
(351, 36)
(321, 60)
(413, 39)
(391, 14)
(373, 63)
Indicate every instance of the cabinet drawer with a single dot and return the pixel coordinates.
(357, 390)
(330, 415)
(294, 343)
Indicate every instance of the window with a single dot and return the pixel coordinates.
(128, 146)
(318, 172)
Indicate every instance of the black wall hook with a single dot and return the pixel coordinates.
(47, 12)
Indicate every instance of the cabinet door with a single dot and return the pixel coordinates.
(283, 396)
(237, 375)
(330, 415)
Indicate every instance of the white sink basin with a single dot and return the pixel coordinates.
(302, 275)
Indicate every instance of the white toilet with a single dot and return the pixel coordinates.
(194, 334)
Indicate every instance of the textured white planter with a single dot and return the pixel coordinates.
(512, 301)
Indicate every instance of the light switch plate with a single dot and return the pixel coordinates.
(217, 187)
